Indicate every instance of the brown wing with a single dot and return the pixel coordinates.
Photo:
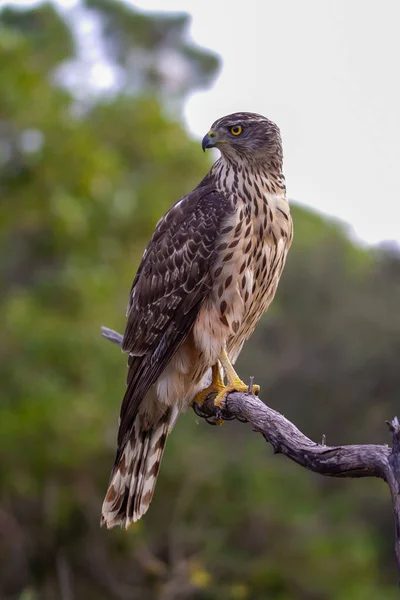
(169, 288)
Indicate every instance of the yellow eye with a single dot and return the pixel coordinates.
(236, 130)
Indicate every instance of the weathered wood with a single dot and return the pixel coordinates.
(366, 460)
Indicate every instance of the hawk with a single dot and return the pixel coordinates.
(209, 272)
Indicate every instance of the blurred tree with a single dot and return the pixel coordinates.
(82, 185)
(153, 51)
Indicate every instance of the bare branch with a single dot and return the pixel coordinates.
(335, 461)
(112, 336)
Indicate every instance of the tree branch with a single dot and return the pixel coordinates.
(336, 461)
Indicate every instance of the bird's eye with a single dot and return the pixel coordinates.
(236, 130)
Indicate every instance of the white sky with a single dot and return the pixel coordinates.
(328, 73)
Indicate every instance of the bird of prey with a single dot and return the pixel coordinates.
(209, 272)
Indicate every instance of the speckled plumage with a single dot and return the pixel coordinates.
(209, 272)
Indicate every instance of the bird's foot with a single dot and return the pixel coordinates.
(236, 385)
(218, 388)
(200, 398)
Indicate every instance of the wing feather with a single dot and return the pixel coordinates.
(170, 286)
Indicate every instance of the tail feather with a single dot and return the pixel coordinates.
(141, 474)
(134, 477)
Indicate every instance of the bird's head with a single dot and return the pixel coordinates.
(245, 135)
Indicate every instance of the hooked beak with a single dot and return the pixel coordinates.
(209, 140)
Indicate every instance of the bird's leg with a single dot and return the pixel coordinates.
(233, 381)
(216, 386)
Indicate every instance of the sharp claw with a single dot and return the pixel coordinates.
(212, 420)
(242, 419)
(198, 410)
(228, 418)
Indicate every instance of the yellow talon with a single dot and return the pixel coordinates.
(217, 386)
(237, 386)
(234, 383)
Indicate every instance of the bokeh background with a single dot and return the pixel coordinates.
(87, 166)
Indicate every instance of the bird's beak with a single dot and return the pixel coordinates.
(209, 140)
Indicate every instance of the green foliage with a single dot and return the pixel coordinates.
(81, 192)
(44, 29)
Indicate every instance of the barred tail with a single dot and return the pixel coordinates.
(134, 477)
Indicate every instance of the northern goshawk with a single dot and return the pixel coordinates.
(209, 272)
